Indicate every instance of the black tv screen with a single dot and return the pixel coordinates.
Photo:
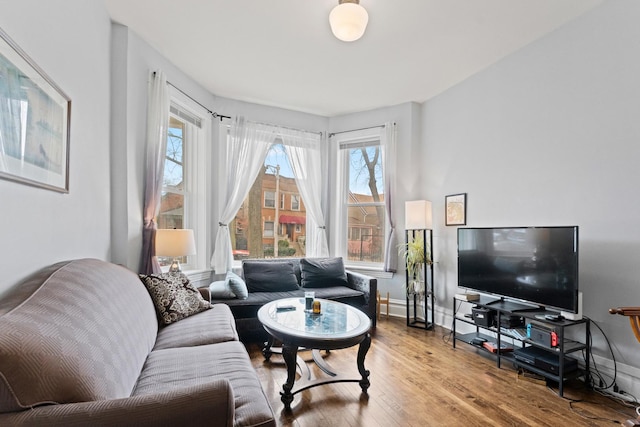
(538, 265)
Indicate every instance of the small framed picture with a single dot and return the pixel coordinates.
(456, 209)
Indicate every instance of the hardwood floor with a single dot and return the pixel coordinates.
(418, 379)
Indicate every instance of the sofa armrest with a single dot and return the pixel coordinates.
(368, 285)
(206, 294)
(210, 404)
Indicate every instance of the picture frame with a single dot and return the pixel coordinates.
(456, 209)
(35, 118)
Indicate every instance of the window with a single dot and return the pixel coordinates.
(360, 211)
(183, 200)
(268, 229)
(269, 199)
(266, 213)
(295, 202)
(173, 185)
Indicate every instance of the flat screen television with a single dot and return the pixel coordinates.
(536, 265)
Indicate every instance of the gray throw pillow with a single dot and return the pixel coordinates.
(275, 276)
(220, 289)
(237, 285)
(323, 272)
(173, 296)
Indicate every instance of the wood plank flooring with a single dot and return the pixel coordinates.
(418, 379)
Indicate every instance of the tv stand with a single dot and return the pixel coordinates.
(543, 352)
(506, 305)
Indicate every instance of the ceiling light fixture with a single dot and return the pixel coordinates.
(348, 20)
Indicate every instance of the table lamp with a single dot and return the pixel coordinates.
(175, 243)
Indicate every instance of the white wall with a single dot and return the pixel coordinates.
(550, 136)
(69, 40)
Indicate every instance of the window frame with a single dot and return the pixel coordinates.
(264, 203)
(264, 228)
(298, 199)
(340, 146)
(196, 175)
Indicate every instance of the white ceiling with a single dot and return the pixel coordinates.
(282, 52)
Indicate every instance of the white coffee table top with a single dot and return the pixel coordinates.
(337, 320)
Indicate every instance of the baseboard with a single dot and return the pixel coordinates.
(398, 308)
(627, 379)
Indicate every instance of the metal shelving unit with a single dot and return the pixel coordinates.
(413, 301)
(495, 333)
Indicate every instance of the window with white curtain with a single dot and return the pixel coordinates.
(359, 232)
(258, 224)
(183, 201)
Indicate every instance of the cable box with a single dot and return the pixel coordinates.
(546, 360)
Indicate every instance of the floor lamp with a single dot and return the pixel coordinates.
(419, 224)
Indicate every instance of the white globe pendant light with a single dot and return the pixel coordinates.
(348, 20)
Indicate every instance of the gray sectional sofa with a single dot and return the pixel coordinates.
(81, 345)
(270, 279)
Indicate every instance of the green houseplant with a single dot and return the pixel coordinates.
(415, 256)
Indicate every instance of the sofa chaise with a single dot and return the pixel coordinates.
(81, 345)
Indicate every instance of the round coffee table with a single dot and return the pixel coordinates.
(338, 326)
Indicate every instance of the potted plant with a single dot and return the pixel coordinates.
(415, 256)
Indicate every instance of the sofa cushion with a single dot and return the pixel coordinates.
(275, 276)
(323, 272)
(174, 368)
(76, 331)
(173, 296)
(209, 327)
(236, 284)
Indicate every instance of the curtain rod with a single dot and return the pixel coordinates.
(286, 127)
(355, 130)
(213, 113)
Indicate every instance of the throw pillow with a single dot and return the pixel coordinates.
(237, 285)
(220, 289)
(273, 276)
(173, 296)
(323, 272)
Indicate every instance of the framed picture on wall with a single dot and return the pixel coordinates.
(456, 209)
(34, 122)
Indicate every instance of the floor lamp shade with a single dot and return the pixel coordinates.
(418, 215)
(175, 243)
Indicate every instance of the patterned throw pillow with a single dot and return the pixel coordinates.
(174, 297)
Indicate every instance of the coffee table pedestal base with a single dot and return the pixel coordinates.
(290, 356)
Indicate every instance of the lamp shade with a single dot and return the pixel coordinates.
(348, 20)
(418, 215)
(175, 242)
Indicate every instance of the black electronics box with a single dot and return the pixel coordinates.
(546, 360)
(483, 316)
(511, 321)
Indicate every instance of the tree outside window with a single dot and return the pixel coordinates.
(365, 203)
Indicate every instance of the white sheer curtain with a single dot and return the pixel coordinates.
(388, 144)
(245, 154)
(304, 151)
(157, 125)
